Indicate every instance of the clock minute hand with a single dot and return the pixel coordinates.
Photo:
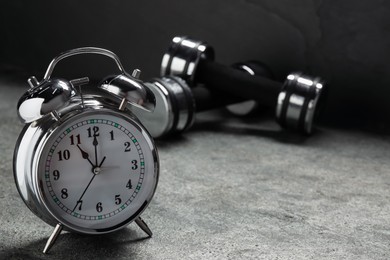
(85, 155)
(95, 143)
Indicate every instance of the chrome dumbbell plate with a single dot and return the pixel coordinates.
(175, 107)
(182, 58)
(297, 102)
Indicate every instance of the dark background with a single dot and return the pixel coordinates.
(347, 42)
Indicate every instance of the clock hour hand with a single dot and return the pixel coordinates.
(85, 155)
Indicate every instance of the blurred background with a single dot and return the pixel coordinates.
(347, 43)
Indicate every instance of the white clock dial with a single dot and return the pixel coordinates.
(97, 172)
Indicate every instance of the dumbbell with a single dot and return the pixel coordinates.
(177, 102)
(295, 100)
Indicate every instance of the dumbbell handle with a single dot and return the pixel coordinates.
(229, 80)
(207, 99)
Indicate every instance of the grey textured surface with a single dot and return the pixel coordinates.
(230, 190)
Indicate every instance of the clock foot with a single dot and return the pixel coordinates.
(52, 239)
(139, 221)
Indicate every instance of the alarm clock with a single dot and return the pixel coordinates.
(83, 162)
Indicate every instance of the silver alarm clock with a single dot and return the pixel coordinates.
(83, 162)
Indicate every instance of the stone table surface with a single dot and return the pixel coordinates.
(230, 189)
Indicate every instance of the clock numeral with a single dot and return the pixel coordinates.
(135, 164)
(56, 175)
(63, 155)
(75, 139)
(64, 193)
(94, 131)
(79, 203)
(117, 199)
(127, 147)
(99, 207)
(112, 135)
(128, 185)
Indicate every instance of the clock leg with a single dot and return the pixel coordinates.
(139, 221)
(52, 239)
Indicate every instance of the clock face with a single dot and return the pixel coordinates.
(97, 172)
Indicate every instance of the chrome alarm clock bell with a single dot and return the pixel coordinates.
(84, 162)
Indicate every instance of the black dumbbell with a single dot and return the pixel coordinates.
(177, 102)
(295, 100)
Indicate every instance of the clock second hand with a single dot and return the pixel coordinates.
(96, 171)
